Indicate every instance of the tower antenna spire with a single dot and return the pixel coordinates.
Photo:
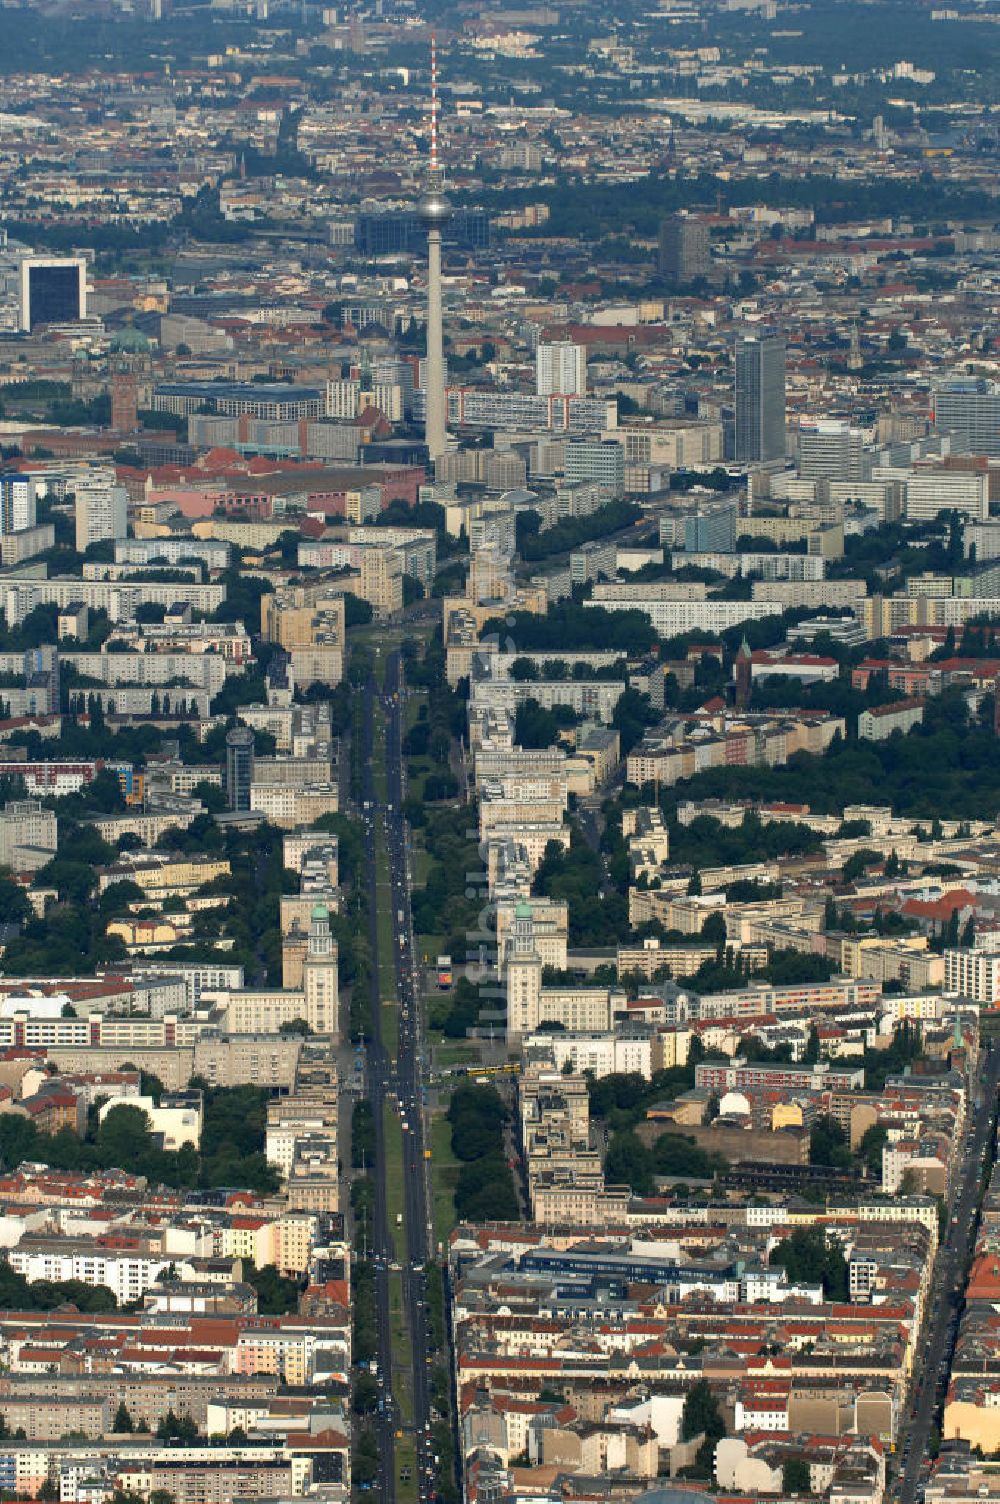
(434, 104)
(434, 211)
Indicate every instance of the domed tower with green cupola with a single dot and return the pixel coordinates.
(128, 367)
(320, 976)
(524, 976)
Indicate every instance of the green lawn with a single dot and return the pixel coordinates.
(414, 700)
(444, 1177)
(378, 753)
(448, 1052)
(402, 1351)
(430, 947)
(386, 951)
(415, 785)
(390, 1027)
(383, 901)
(377, 634)
(406, 1458)
(394, 1178)
(402, 1387)
(421, 862)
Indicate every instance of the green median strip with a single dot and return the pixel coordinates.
(402, 1351)
(406, 1470)
(386, 946)
(394, 1178)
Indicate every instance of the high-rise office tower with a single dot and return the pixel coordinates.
(434, 211)
(17, 503)
(832, 450)
(53, 290)
(561, 369)
(422, 373)
(100, 511)
(602, 460)
(760, 397)
(969, 409)
(743, 676)
(684, 252)
(39, 289)
(239, 767)
(41, 674)
(711, 528)
(394, 372)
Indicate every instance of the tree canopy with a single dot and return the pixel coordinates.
(808, 1257)
(231, 1151)
(484, 1190)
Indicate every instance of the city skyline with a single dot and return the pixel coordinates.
(499, 753)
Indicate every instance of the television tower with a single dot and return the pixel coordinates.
(434, 211)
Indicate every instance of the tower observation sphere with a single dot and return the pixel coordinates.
(434, 209)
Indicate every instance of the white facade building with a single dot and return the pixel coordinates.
(831, 450)
(929, 492)
(599, 1053)
(17, 504)
(127, 1274)
(671, 617)
(561, 368)
(973, 973)
(27, 835)
(101, 512)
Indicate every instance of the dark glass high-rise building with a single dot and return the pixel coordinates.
(53, 292)
(384, 232)
(239, 767)
(760, 397)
